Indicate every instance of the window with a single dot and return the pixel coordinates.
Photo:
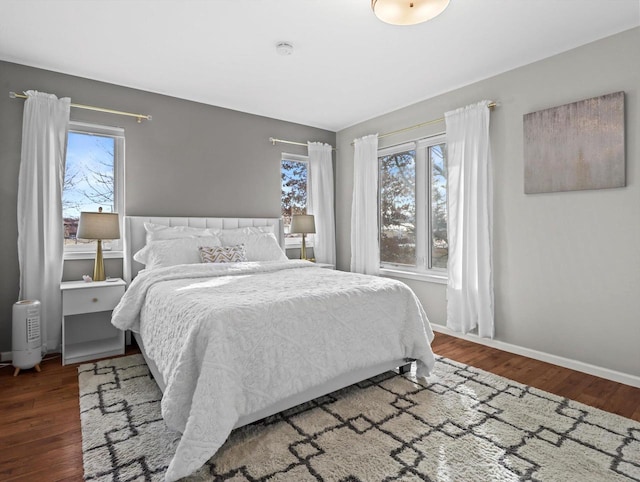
(93, 179)
(413, 207)
(294, 192)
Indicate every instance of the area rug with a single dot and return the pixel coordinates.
(461, 424)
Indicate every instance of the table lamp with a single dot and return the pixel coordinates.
(98, 226)
(303, 224)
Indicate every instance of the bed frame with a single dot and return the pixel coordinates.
(135, 239)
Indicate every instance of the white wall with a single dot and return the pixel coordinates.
(566, 265)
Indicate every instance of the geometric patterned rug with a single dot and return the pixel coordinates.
(460, 424)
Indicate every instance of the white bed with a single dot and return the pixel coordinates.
(205, 360)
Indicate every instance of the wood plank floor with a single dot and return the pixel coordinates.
(594, 391)
(40, 425)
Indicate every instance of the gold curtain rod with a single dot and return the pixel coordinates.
(273, 141)
(140, 117)
(422, 124)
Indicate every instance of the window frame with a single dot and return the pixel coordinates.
(111, 248)
(296, 240)
(423, 270)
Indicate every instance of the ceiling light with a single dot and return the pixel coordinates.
(284, 48)
(407, 12)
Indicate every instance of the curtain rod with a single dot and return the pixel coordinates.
(422, 124)
(140, 117)
(273, 141)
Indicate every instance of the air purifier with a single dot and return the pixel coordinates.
(26, 340)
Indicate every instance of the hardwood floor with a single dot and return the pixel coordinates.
(40, 424)
(594, 391)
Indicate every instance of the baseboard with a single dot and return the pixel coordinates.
(579, 366)
(5, 356)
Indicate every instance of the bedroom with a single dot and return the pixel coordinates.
(566, 264)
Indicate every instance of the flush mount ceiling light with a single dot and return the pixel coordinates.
(407, 12)
(284, 48)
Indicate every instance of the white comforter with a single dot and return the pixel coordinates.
(232, 339)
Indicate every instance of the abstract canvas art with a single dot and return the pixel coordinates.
(575, 146)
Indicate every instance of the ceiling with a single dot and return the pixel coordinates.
(347, 66)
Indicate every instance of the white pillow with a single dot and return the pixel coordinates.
(156, 232)
(258, 247)
(170, 252)
(246, 230)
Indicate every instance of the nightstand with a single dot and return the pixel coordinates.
(87, 332)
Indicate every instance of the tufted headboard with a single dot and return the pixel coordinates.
(135, 234)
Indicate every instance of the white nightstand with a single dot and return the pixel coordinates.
(87, 332)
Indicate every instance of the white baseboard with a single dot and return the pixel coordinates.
(597, 371)
(5, 356)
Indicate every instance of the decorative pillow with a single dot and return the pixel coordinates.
(259, 247)
(223, 254)
(170, 252)
(156, 232)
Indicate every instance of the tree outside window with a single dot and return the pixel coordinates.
(397, 176)
(413, 206)
(91, 178)
(439, 238)
(294, 191)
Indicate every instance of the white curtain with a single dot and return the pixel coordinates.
(40, 231)
(470, 221)
(365, 252)
(320, 198)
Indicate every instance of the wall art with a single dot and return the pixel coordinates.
(575, 146)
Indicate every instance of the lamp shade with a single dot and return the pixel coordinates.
(98, 226)
(302, 223)
(407, 12)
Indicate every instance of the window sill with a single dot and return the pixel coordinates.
(428, 277)
(71, 255)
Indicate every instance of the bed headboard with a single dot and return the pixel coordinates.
(135, 235)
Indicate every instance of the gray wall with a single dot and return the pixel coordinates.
(190, 160)
(567, 265)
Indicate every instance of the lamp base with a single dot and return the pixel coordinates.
(303, 250)
(98, 267)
